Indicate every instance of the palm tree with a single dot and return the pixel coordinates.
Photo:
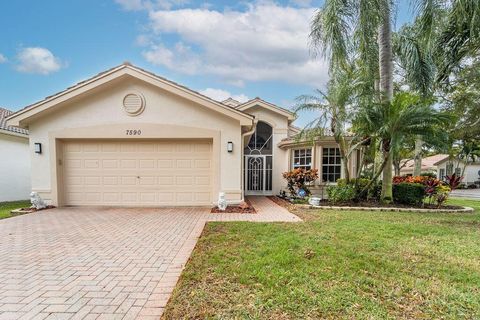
(345, 30)
(413, 49)
(389, 123)
(334, 109)
(459, 36)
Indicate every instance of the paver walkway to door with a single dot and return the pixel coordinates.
(102, 263)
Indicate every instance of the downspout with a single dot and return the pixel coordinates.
(242, 173)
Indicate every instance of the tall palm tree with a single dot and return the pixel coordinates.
(345, 28)
(413, 49)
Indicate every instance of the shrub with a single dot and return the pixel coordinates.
(375, 191)
(298, 179)
(453, 181)
(341, 193)
(359, 184)
(472, 186)
(431, 175)
(408, 193)
(441, 194)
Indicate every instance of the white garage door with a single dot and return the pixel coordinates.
(145, 173)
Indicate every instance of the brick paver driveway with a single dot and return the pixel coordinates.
(100, 263)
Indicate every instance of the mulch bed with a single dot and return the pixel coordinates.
(236, 209)
(365, 204)
(29, 210)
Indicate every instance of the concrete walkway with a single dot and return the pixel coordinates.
(103, 263)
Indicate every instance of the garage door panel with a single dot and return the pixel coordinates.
(137, 173)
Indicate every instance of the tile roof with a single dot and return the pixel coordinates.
(258, 99)
(231, 102)
(4, 113)
(427, 162)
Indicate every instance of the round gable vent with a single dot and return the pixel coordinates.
(133, 104)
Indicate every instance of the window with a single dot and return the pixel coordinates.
(458, 172)
(261, 140)
(302, 158)
(449, 168)
(442, 174)
(331, 164)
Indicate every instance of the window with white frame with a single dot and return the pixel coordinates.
(331, 164)
(442, 173)
(302, 158)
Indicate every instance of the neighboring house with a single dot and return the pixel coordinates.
(428, 165)
(14, 161)
(129, 137)
(471, 175)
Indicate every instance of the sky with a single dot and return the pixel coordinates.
(242, 49)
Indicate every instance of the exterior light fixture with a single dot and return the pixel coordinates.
(230, 146)
(38, 147)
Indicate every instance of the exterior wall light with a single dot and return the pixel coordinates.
(230, 146)
(38, 148)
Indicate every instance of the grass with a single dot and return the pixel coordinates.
(6, 207)
(335, 265)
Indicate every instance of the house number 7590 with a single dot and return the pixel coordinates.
(129, 132)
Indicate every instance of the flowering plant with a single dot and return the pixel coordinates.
(453, 181)
(442, 194)
(297, 179)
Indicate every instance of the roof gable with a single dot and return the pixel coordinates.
(267, 105)
(4, 128)
(21, 117)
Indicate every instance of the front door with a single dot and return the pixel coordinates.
(258, 175)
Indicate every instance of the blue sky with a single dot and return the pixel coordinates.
(220, 48)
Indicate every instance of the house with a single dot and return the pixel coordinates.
(428, 165)
(14, 161)
(129, 137)
(471, 171)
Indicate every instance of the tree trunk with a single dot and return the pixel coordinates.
(387, 192)
(343, 155)
(417, 169)
(386, 91)
(396, 167)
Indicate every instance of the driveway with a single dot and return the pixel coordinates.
(466, 193)
(102, 263)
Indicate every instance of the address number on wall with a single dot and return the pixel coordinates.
(131, 132)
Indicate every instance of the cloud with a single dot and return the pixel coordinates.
(3, 59)
(302, 3)
(180, 58)
(265, 42)
(37, 60)
(221, 95)
(136, 5)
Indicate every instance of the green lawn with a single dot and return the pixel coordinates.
(348, 265)
(6, 207)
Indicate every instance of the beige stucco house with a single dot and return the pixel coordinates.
(14, 161)
(129, 137)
